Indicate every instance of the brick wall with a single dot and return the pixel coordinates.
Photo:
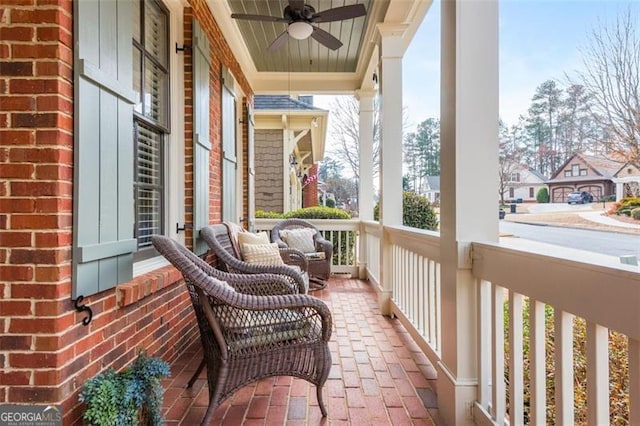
(46, 353)
(221, 55)
(310, 191)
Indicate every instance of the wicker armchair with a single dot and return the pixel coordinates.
(225, 248)
(318, 268)
(246, 338)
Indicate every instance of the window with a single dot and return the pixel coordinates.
(150, 119)
(575, 170)
(531, 195)
(567, 173)
(511, 193)
(514, 177)
(583, 172)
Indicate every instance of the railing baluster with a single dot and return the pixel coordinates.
(432, 302)
(484, 343)
(597, 374)
(516, 372)
(438, 310)
(634, 382)
(497, 355)
(563, 367)
(422, 297)
(538, 404)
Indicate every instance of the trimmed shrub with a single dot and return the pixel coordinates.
(330, 202)
(635, 213)
(625, 206)
(417, 212)
(543, 195)
(318, 212)
(261, 214)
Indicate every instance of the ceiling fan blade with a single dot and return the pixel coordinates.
(340, 13)
(325, 38)
(265, 18)
(278, 42)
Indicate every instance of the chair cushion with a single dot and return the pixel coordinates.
(264, 328)
(265, 254)
(301, 239)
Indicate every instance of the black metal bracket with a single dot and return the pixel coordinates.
(183, 48)
(184, 227)
(83, 308)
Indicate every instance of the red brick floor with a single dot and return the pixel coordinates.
(379, 376)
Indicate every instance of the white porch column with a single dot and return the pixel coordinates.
(365, 173)
(365, 137)
(469, 187)
(392, 50)
(619, 189)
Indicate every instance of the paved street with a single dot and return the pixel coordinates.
(609, 243)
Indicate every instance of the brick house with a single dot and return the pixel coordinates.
(289, 141)
(117, 121)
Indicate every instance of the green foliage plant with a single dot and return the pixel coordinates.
(261, 214)
(543, 195)
(417, 212)
(130, 397)
(618, 368)
(635, 213)
(330, 202)
(625, 206)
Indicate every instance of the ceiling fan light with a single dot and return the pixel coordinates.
(299, 30)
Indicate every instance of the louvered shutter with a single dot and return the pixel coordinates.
(201, 140)
(229, 156)
(103, 146)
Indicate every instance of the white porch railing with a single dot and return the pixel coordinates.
(416, 285)
(512, 280)
(604, 294)
(342, 233)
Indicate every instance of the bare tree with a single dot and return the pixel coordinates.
(345, 131)
(612, 78)
(509, 157)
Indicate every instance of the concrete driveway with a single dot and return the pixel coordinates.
(561, 207)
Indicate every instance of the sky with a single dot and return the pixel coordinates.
(539, 40)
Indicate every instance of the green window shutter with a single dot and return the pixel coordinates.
(103, 147)
(229, 156)
(201, 139)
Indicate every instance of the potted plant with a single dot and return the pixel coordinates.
(130, 397)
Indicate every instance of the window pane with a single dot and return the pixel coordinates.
(137, 79)
(149, 156)
(155, 93)
(149, 216)
(149, 185)
(135, 15)
(155, 34)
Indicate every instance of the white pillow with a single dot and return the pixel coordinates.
(251, 238)
(301, 239)
(265, 254)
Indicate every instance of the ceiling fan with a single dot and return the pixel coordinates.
(299, 16)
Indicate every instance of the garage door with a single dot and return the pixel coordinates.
(594, 190)
(559, 195)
